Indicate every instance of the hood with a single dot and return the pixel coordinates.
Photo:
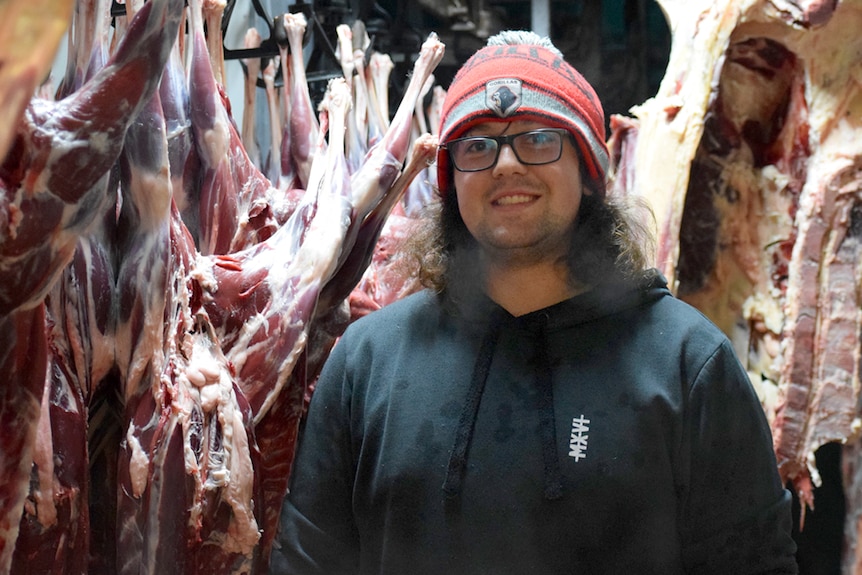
(479, 312)
(489, 319)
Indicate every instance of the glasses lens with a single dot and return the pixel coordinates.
(473, 154)
(534, 148)
(538, 147)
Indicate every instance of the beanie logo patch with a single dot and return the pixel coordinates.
(503, 96)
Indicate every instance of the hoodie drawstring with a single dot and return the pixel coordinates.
(547, 419)
(467, 421)
(547, 422)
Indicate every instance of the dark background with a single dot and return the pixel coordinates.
(620, 46)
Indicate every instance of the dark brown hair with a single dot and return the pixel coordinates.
(611, 242)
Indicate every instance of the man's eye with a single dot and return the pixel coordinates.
(477, 146)
(538, 139)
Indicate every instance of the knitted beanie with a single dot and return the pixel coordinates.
(524, 81)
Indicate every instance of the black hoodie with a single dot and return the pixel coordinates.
(615, 432)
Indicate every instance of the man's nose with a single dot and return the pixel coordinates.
(507, 160)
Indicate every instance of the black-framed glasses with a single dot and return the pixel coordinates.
(533, 148)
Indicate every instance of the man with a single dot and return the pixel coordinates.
(548, 407)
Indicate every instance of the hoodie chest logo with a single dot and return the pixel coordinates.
(503, 97)
(579, 437)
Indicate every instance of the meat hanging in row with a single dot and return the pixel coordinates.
(752, 162)
(165, 304)
(55, 183)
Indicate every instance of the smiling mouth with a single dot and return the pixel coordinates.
(515, 199)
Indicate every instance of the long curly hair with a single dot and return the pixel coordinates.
(613, 240)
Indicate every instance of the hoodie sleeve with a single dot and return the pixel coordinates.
(317, 534)
(735, 514)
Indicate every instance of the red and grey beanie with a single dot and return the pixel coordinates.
(524, 81)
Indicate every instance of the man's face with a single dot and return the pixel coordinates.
(521, 212)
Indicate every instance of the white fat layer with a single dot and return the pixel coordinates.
(144, 351)
(43, 457)
(102, 345)
(139, 463)
(210, 396)
(243, 532)
(206, 388)
(155, 209)
(216, 140)
(203, 367)
(202, 273)
(16, 216)
(147, 355)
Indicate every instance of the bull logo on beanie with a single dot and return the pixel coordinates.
(503, 97)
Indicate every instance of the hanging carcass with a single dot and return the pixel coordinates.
(55, 184)
(751, 157)
(191, 368)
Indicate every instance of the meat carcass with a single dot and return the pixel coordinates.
(185, 363)
(185, 163)
(388, 273)
(229, 377)
(258, 305)
(31, 32)
(752, 162)
(303, 124)
(88, 44)
(24, 359)
(251, 71)
(357, 129)
(236, 202)
(56, 531)
(288, 176)
(380, 67)
(212, 11)
(54, 185)
(371, 191)
(55, 174)
(381, 167)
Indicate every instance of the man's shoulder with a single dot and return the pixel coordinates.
(684, 315)
(680, 326)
